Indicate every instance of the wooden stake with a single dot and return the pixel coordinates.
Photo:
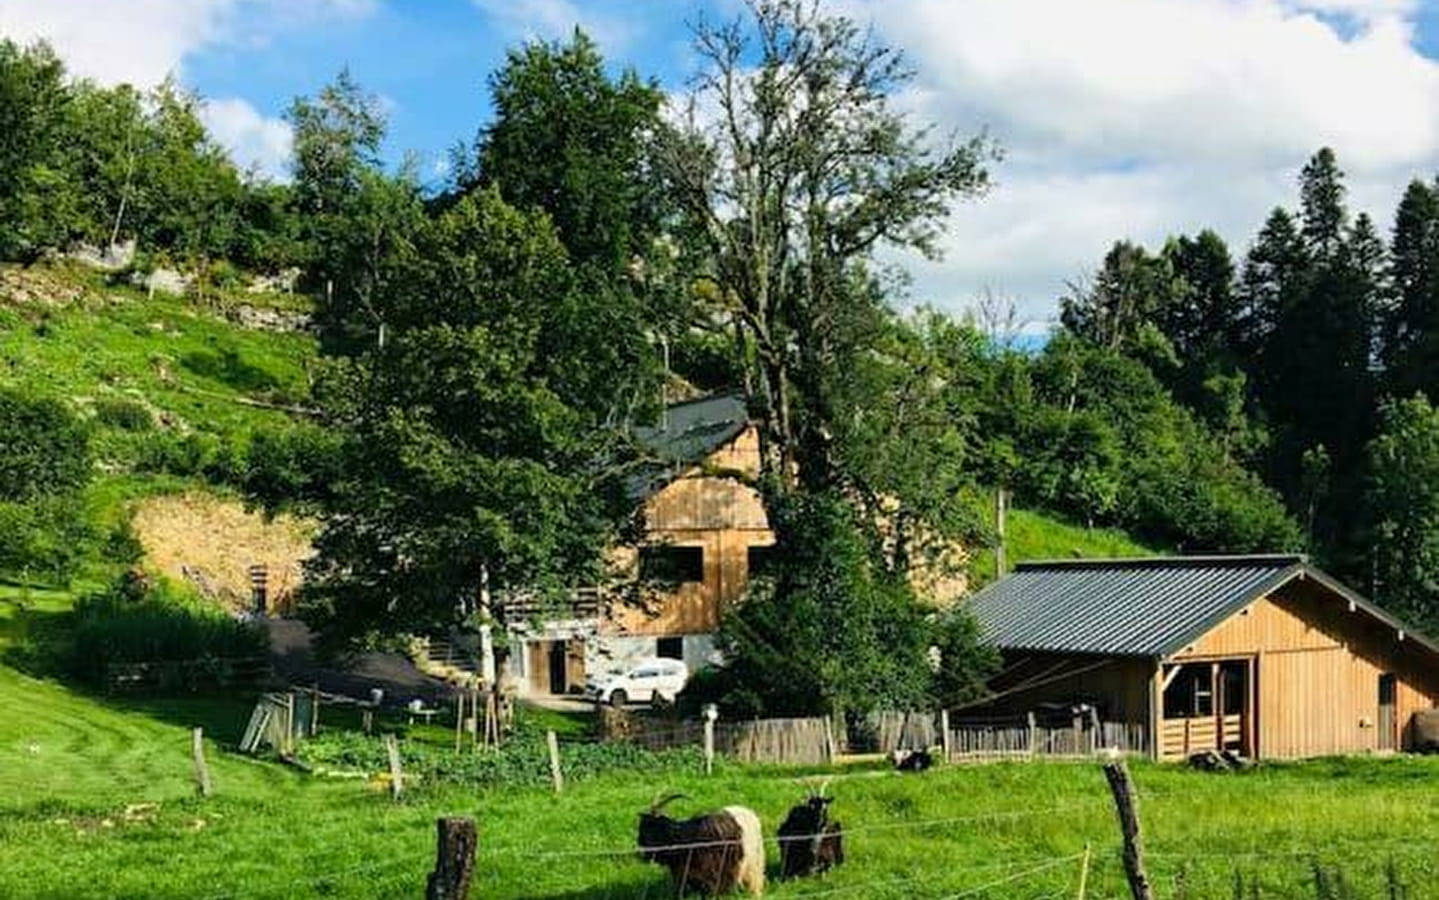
(1033, 733)
(202, 771)
(1083, 874)
(709, 746)
(314, 710)
(455, 841)
(397, 775)
(944, 734)
(556, 775)
(1117, 773)
(459, 719)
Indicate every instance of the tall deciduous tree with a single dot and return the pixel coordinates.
(467, 471)
(1402, 510)
(575, 143)
(359, 220)
(794, 167)
(32, 109)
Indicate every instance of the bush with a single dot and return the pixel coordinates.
(138, 619)
(296, 465)
(189, 455)
(521, 761)
(44, 447)
(48, 538)
(124, 414)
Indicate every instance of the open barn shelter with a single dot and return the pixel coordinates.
(1263, 655)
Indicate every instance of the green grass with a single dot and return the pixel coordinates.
(180, 358)
(1033, 535)
(96, 800)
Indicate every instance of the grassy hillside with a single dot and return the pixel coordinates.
(173, 388)
(1031, 535)
(66, 330)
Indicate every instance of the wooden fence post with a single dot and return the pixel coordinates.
(1096, 736)
(1033, 733)
(202, 771)
(556, 776)
(455, 842)
(944, 734)
(315, 709)
(830, 750)
(459, 718)
(1117, 773)
(397, 775)
(711, 712)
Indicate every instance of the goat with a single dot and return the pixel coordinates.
(713, 854)
(809, 843)
(912, 760)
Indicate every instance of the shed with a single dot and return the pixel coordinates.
(1264, 655)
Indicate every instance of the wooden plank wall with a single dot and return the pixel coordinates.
(719, 514)
(1318, 671)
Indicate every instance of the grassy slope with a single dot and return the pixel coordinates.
(182, 359)
(1032, 536)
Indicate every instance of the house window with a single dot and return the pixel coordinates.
(666, 564)
(761, 559)
(670, 648)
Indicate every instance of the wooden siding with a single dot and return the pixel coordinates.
(721, 515)
(1318, 668)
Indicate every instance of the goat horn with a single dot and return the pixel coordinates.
(662, 801)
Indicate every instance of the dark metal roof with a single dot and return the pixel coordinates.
(1123, 607)
(688, 433)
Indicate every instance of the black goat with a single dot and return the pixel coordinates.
(809, 843)
(712, 854)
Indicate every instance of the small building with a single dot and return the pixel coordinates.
(705, 530)
(1264, 655)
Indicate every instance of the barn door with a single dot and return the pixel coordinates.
(1388, 723)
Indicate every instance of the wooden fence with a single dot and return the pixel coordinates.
(777, 741)
(1028, 737)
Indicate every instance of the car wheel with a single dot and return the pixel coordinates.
(619, 698)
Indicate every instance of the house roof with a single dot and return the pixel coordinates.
(688, 433)
(1138, 607)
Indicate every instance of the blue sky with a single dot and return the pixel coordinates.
(1119, 118)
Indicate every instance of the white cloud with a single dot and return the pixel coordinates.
(1137, 118)
(254, 141)
(144, 41)
(138, 41)
(613, 28)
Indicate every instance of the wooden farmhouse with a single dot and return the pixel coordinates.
(1263, 655)
(705, 531)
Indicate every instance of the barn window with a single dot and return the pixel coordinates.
(670, 648)
(1191, 694)
(667, 564)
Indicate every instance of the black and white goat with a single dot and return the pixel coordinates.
(809, 843)
(912, 760)
(712, 854)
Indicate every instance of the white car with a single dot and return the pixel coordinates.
(644, 681)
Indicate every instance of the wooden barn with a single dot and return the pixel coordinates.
(705, 531)
(1263, 655)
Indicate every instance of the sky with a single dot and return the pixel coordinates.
(1130, 119)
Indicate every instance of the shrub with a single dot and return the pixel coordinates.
(296, 465)
(187, 455)
(523, 760)
(124, 414)
(48, 538)
(138, 619)
(44, 447)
